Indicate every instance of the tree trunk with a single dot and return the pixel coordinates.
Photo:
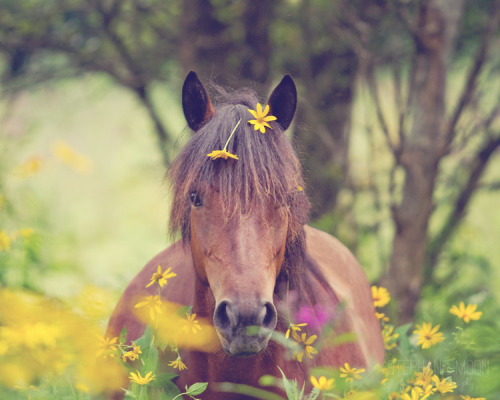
(421, 150)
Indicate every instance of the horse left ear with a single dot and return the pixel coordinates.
(196, 102)
(283, 101)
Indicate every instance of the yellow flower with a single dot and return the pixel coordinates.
(389, 337)
(382, 317)
(417, 393)
(350, 373)
(444, 386)
(294, 328)
(190, 323)
(178, 364)
(152, 304)
(424, 378)
(161, 277)
(137, 378)
(466, 313)
(472, 398)
(82, 387)
(107, 347)
(29, 167)
(309, 350)
(4, 241)
(132, 354)
(71, 158)
(380, 296)
(322, 383)
(222, 154)
(261, 118)
(427, 335)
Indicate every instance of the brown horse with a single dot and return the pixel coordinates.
(247, 257)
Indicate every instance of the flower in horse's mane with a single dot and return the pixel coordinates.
(389, 337)
(141, 380)
(191, 324)
(428, 335)
(466, 313)
(308, 349)
(322, 383)
(380, 296)
(177, 363)
(107, 347)
(293, 329)
(445, 385)
(161, 277)
(215, 154)
(261, 118)
(350, 373)
(152, 304)
(132, 354)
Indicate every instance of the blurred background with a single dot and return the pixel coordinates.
(398, 131)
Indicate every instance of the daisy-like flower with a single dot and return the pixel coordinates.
(178, 364)
(161, 277)
(445, 385)
(424, 378)
(152, 304)
(380, 296)
(389, 337)
(107, 347)
(141, 380)
(471, 398)
(308, 349)
(132, 354)
(428, 335)
(293, 329)
(350, 373)
(416, 393)
(191, 324)
(322, 383)
(466, 313)
(215, 154)
(261, 118)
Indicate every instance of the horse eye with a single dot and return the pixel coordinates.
(196, 199)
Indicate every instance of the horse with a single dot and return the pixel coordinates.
(246, 256)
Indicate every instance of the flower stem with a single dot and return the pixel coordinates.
(231, 135)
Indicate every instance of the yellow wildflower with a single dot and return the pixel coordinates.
(82, 387)
(466, 313)
(472, 398)
(222, 154)
(415, 394)
(191, 324)
(141, 380)
(107, 347)
(424, 378)
(382, 317)
(71, 158)
(389, 337)
(261, 118)
(161, 277)
(380, 296)
(4, 241)
(132, 354)
(30, 167)
(152, 304)
(350, 373)
(177, 363)
(294, 328)
(444, 386)
(428, 335)
(322, 383)
(309, 350)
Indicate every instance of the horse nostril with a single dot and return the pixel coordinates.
(222, 315)
(270, 316)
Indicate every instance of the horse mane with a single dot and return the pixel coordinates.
(267, 169)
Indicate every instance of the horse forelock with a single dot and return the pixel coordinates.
(267, 171)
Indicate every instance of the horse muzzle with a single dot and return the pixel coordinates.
(244, 329)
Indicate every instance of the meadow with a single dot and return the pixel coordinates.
(83, 206)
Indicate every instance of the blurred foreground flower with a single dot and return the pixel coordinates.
(322, 383)
(4, 241)
(141, 380)
(466, 313)
(350, 373)
(381, 296)
(28, 168)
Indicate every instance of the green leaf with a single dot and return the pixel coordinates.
(145, 340)
(129, 393)
(150, 361)
(163, 379)
(314, 394)
(196, 388)
(404, 340)
(123, 335)
(247, 390)
(290, 387)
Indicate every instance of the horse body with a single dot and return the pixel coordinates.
(247, 258)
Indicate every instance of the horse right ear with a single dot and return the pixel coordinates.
(196, 102)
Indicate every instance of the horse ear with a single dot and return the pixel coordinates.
(283, 101)
(196, 102)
